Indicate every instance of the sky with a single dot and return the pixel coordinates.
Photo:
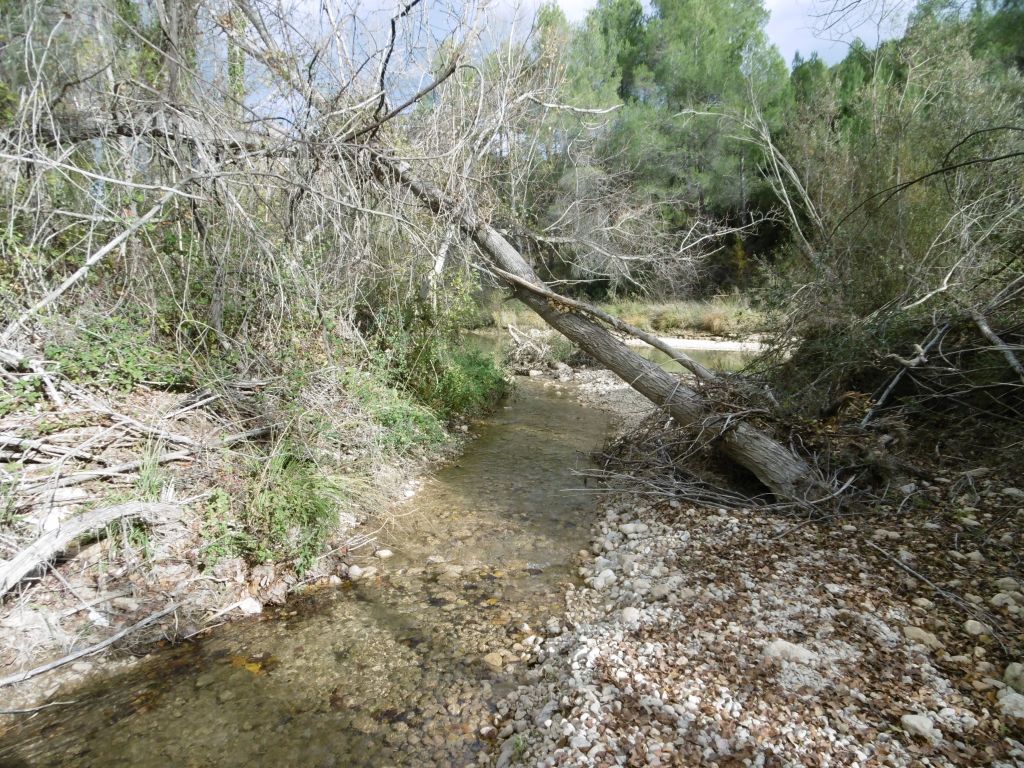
(796, 25)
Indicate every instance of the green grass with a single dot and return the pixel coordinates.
(467, 383)
(405, 425)
(291, 510)
(117, 352)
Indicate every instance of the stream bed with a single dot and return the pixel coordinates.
(402, 667)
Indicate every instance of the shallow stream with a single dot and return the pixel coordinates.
(394, 669)
(403, 667)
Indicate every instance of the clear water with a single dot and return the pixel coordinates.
(389, 671)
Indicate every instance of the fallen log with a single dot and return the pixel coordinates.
(53, 543)
(781, 470)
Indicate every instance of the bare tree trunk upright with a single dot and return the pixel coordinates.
(781, 470)
(178, 23)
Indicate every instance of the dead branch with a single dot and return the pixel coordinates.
(130, 466)
(998, 343)
(19, 677)
(775, 465)
(53, 543)
(684, 360)
(82, 271)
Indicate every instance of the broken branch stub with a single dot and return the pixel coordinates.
(775, 465)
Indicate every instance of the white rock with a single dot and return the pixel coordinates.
(384, 554)
(782, 649)
(354, 572)
(630, 615)
(661, 591)
(1014, 676)
(921, 725)
(493, 660)
(1006, 584)
(250, 606)
(976, 628)
(1015, 493)
(604, 579)
(922, 637)
(1002, 600)
(1011, 704)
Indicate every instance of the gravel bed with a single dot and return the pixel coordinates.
(714, 637)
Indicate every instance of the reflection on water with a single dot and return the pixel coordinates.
(397, 670)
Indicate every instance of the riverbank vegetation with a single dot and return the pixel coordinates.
(241, 254)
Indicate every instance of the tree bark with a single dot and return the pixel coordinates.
(776, 466)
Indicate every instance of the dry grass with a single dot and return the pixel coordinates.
(721, 316)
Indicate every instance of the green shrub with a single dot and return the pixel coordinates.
(21, 393)
(221, 533)
(291, 510)
(117, 352)
(405, 424)
(466, 382)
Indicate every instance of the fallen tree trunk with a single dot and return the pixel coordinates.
(53, 543)
(775, 465)
(780, 469)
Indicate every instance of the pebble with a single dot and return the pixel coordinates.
(1002, 600)
(921, 725)
(976, 628)
(630, 615)
(922, 636)
(1011, 704)
(1014, 676)
(493, 660)
(604, 579)
(384, 554)
(250, 606)
(787, 651)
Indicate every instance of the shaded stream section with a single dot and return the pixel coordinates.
(389, 670)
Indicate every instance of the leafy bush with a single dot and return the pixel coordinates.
(117, 352)
(291, 510)
(467, 382)
(21, 393)
(222, 535)
(405, 424)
